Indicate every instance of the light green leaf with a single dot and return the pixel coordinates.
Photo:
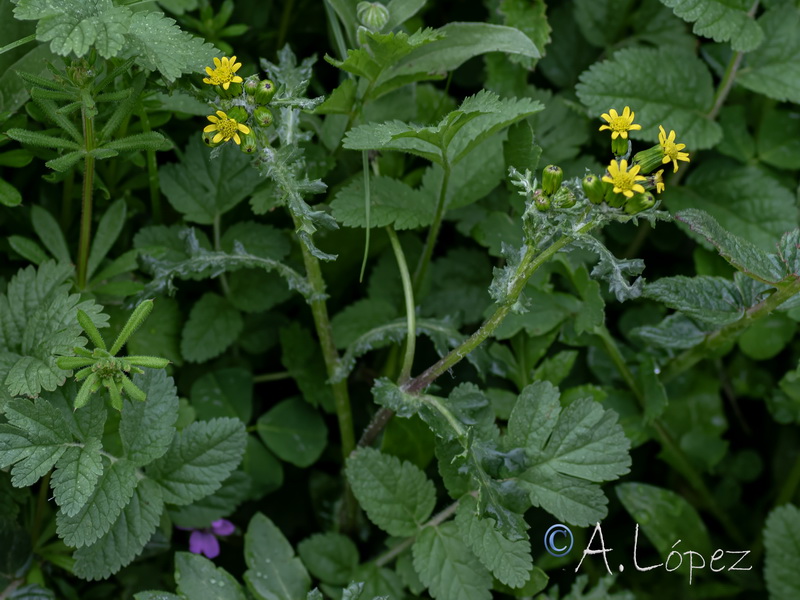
(35, 437)
(713, 300)
(767, 337)
(147, 428)
(679, 102)
(744, 199)
(212, 326)
(9, 195)
(200, 458)
(508, 560)
(569, 499)
(113, 492)
(722, 21)
(531, 19)
(160, 45)
(782, 542)
(76, 475)
(330, 557)
(126, 538)
(224, 393)
(294, 431)
(196, 575)
(201, 188)
(401, 11)
(773, 69)
(392, 202)
(106, 234)
(27, 249)
(396, 495)
(447, 566)
(274, 572)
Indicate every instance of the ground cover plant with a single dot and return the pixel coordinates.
(357, 300)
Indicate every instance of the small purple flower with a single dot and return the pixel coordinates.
(204, 541)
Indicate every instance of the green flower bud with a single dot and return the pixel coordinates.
(649, 159)
(372, 15)
(639, 203)
(263, 116)
(619, 146)
(265, 91)
(238, 114)
(251, 85)
(564, 198)
(208, 139)
(612, 199)
(594, 188)
(234, 89)
(248, 145)
(541, 201)
(551, 179)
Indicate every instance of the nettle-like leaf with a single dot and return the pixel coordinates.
(684, 95)
(195, 575)
(274, 572)
(569, 452)
(397, 496)
(212, 326)
(392, 202)
(713, 300)
(782, 542)
(38, 322)
(147, 428)
(721, 21)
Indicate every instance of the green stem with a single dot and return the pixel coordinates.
(527, 267)
(683, 465)
(725, 84)
(789, 487)
(18, 43)
(433, 233)
(727, 334)
(152, 172)
(367, 207)
(85, 239)
(411, 316)
(223, 281)
(271, 377)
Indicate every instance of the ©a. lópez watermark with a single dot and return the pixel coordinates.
(558, 541)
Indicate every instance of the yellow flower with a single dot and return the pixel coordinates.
(672, 151)
(624, 181)
(658, 181)
(225, 72)
(619, 125)
(226, 128)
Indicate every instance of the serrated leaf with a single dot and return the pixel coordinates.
(200, 458)
(721, 21)
(356, 319)
(294, 431)
(160, 45)
(508, 560)
(773, 69)
(220, 504)
(712, 300)
(147, 428)
(569, 499)
(615, 271)
(195, 575)
(396, 495)
(113, 492)
(746, 200)
(782, 543)
(676, 331)
(126, 538)
(392, 202)
(35, 437)
(224, 393)
(76, 475)
(212, 326)
(329, 557)
(679, 102)
(274, 573)
(447, 566)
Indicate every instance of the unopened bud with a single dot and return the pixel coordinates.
(541, 201)
(639, 203)
(649, 159)
(619, 146)
(551, 179)
(251, 85)
(594, 188)
(248, 145)
(372, 15)
(238, 114)
(208, 139)
(263, 116)
(564, 198)
(234, 89)
(265, 91)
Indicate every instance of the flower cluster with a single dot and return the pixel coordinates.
(239, 102)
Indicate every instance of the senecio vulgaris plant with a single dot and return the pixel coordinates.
(458, 468)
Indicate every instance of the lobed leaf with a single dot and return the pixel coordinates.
(722, 21)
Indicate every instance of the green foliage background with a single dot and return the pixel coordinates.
(639, 371)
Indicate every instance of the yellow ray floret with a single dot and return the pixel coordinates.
(226, 128)
(620, 125)
(225, 72)
(672, 151)
(624, 181)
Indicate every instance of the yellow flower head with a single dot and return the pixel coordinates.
(226, 128)
(619, 125)
(625, 181)
(225, 72)
(672, 151)
(658, 181)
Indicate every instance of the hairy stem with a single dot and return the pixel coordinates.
(85, 239)
(433, 232)
(411, 317)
